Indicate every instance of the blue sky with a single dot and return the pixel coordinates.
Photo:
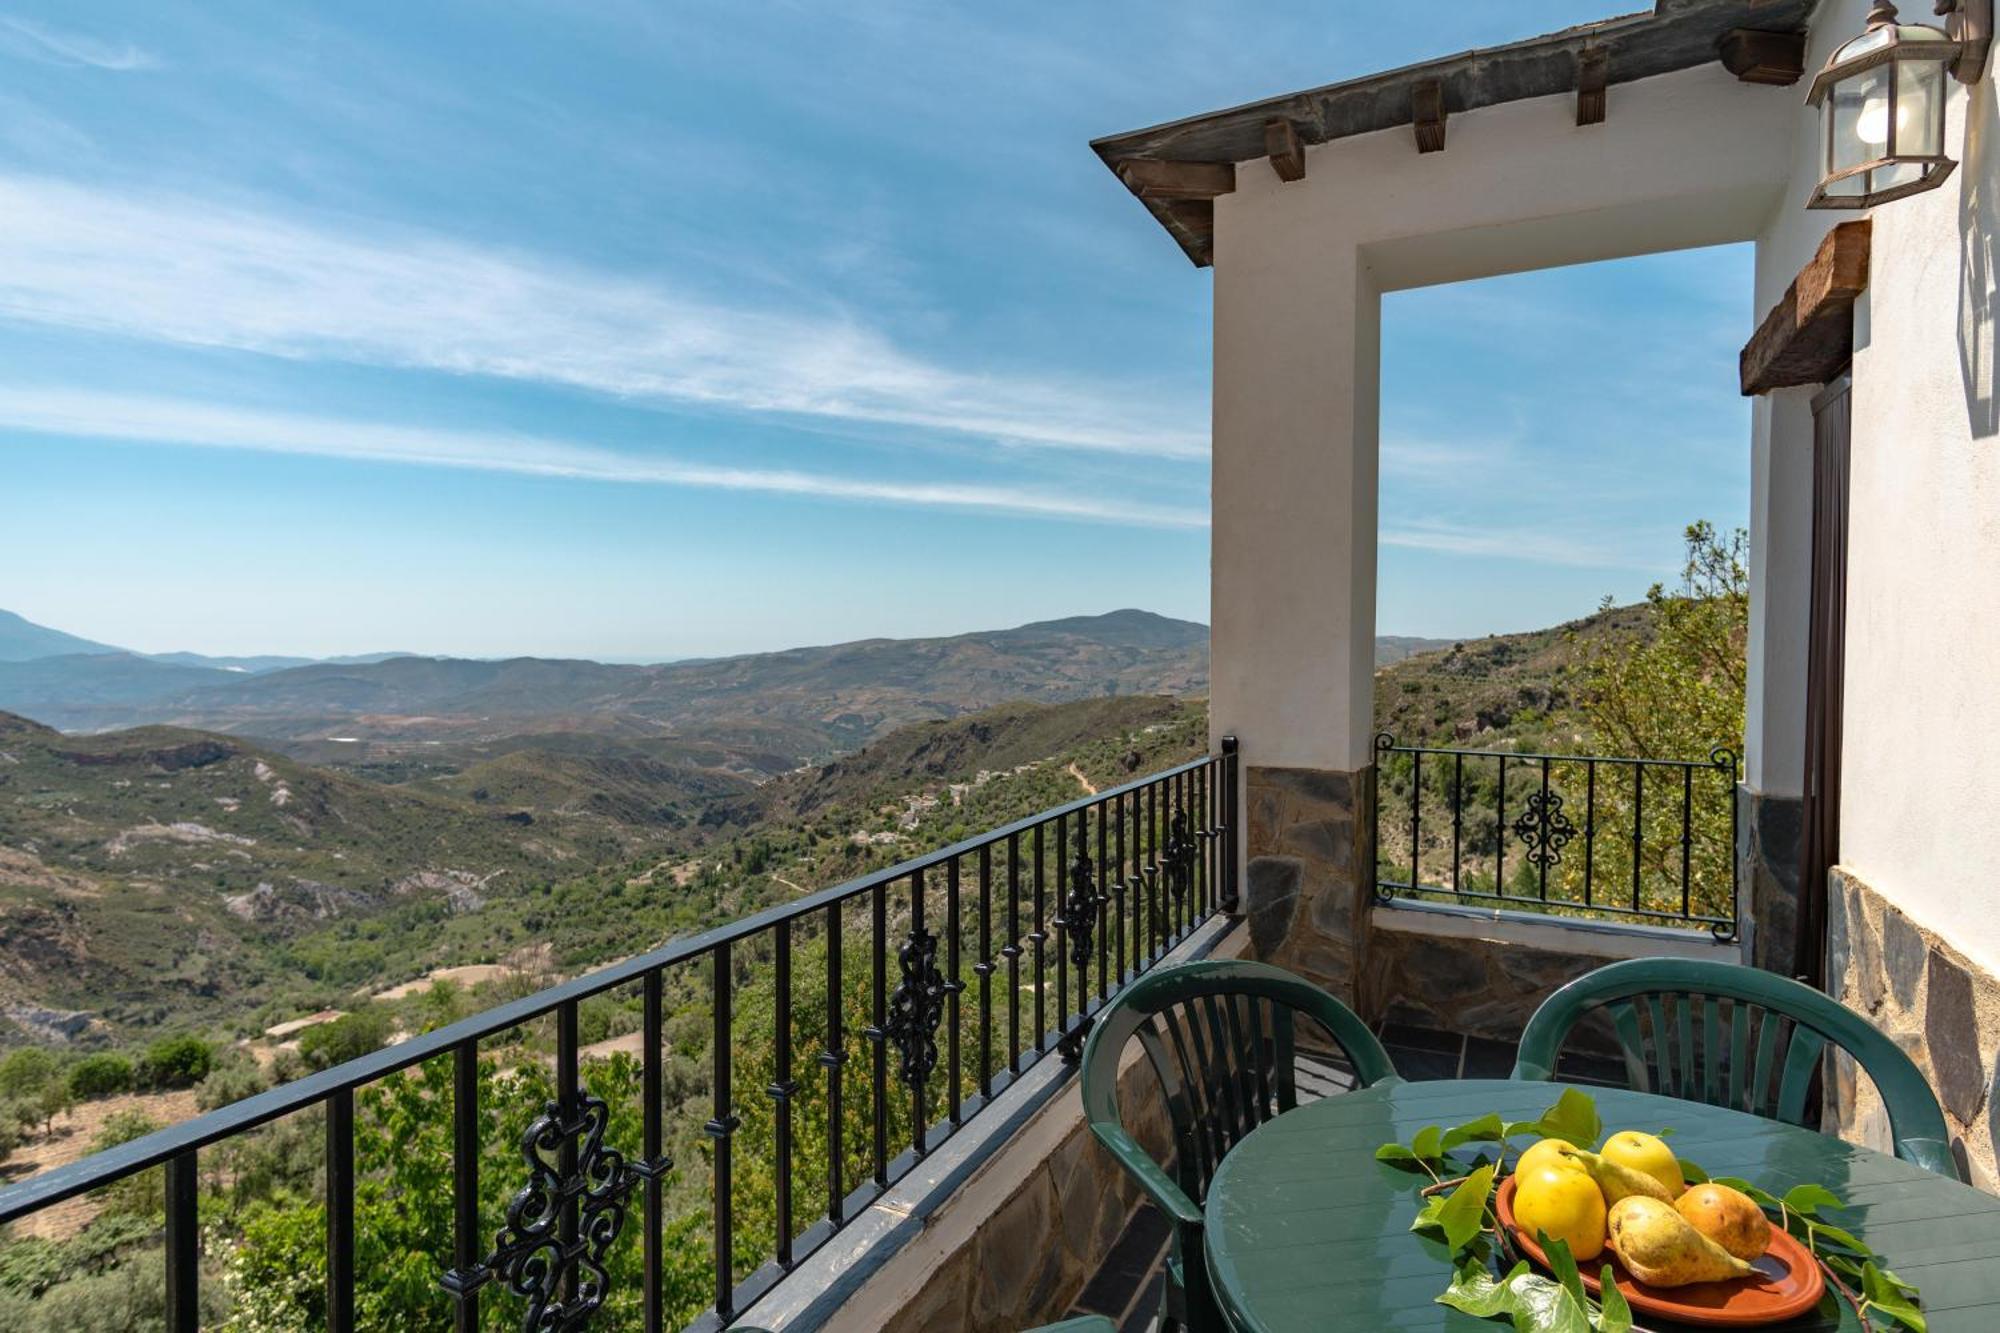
(640, 330)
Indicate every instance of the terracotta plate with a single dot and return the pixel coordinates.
(1787, 1284)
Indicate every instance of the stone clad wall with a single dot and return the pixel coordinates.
(1940, 1008)
(1311, 872)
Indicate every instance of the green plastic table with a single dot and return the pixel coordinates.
(1306, 1232)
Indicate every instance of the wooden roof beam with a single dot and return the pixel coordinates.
(1809, 334)
(1775, 59)
(1593, 77)
(1152, 179)
(1427, 114)
(1287, 154)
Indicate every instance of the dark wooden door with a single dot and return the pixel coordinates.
(1826, 653)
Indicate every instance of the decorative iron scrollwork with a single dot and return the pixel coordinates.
(917, 1007)
(1079, 918)
(1180, 854)
(562, 1274)
(1544, 828)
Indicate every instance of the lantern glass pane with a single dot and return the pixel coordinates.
(1919, 109)
(1860, 110)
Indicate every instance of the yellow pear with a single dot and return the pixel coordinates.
(1648, 1153)
(1728, 1217)
(1545, 1152)
(1564, 1202)
(1615, 1179)
(1662, 1249)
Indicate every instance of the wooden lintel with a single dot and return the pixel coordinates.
(1774, 58)
(1288, 155)
(1152, 179)
(1593, 77)
(1809, 334)
(1427, 114)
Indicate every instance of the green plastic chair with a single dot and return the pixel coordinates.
(1669, 1000)
(1221, 1038)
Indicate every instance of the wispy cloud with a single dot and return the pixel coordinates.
(150, 420)
(56, 46)
(1536, 546)
(178, 270)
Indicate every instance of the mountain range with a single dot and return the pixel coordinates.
(792, 707)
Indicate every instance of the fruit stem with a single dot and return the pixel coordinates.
(1442, 1185)
(1852, 1299)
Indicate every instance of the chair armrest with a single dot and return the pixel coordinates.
(1159, 1186)
(1929, 1154)
(1526, 1071)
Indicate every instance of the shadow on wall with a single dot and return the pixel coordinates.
(1978, 222)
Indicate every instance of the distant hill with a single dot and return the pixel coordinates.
(802, 704)
(22, 640)
(1510, 688)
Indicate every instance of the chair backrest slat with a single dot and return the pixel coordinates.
(1761, 1101)
(1739, 1056)
(1801, 1063)
(1221, 1038)
(1711, 1049)
(1795, 1025)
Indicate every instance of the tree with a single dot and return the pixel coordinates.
(1675, 693)
(25, 1071)
(101, 1075)
(348, 1037)
(176, 1062)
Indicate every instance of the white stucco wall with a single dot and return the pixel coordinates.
(1920, 810)
(1689, 159)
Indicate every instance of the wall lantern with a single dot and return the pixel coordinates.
(1882, 103)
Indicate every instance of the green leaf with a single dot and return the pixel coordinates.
(1487, 1129)
(1464, 1213)
(1847, 1239)
(1427, 1219)
(1532, 1302)
(1561, 1263)
(1616, 1316)
(1474, 1290)
(1886, 1295)
(1394, 1152)
(1428, 1142)
(1692, 1173)
(1809, 1199)
(1574, 1117)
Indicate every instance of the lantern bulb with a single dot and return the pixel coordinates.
(1872, 125)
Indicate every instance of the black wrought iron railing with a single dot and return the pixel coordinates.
(1583, 836)
(1003, 948)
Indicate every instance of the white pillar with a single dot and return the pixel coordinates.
(1292, 577)
(1781, 487)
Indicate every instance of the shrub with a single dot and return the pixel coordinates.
(100, 1076)
(176, 1062)
(229, 1082)
(140, 1195)
(348, 1037)
(26, 1071)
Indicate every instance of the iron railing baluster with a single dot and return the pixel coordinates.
(722, 1129)
(183, 1244)
(653, 1296)
(783, 1087)
(1011, 951)
(468, 1244)
(983, 969)
(878, 1033)
(833, 1058)
(340, 1212)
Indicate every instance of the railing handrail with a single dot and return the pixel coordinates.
(112, 1164)
(1720, 757)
